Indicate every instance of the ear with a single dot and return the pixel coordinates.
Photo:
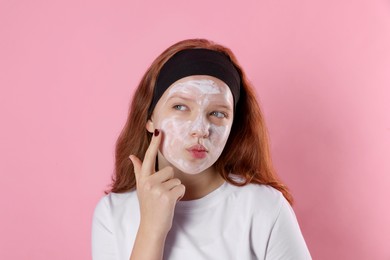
(149, 126)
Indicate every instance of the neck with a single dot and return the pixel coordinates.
(201, 184)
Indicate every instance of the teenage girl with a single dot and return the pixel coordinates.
(193, 173)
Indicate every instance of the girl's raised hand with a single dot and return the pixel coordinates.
(157, 192)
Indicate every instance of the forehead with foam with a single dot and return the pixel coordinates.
(202, 89)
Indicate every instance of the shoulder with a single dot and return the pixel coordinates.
(114, 201)
(259, 194)
(271, 214)
(259, 205)
(259, 200)
(260, 197)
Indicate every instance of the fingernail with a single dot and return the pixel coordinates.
(156, 132)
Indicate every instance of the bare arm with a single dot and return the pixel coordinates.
(148, 246)
(157, 193)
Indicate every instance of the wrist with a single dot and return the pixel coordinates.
(157, 235)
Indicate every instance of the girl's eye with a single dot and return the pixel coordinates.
(219, 114)
(180, 107)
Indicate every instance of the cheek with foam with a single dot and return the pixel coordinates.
(173, 133)
(220, 133)
(176, 140)
(218, 139)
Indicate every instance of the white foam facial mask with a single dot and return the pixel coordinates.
(194, 126)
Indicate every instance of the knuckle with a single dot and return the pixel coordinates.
(148, 185)
(165, 198)
(170, 172)
(158, 193)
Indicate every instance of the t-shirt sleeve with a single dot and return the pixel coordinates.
(286, 240)
(103, 240)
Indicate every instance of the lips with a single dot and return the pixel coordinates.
(198, 151)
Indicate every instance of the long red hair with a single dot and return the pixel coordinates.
(246, 152)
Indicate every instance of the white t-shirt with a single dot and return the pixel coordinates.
(249, 222)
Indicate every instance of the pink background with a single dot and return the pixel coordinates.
(68, 69)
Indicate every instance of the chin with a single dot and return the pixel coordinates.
(189, 167)
(192, 170)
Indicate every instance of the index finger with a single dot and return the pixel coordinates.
(150, 156)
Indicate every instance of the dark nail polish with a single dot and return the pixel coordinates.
(156, 132)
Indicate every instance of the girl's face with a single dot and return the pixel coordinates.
(195, 115)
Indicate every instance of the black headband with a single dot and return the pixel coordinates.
(197, 62)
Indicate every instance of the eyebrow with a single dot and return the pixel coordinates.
(225, 107)
(180, 96)
(219, 105)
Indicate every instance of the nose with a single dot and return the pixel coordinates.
(200, 127)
